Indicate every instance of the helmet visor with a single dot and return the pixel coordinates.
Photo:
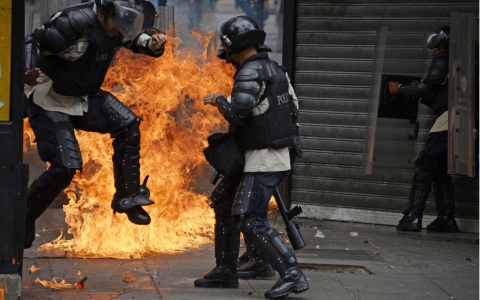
(128, 19)
(214, 48)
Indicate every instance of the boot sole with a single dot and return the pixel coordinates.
(297, 290)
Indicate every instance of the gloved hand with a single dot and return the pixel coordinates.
(210, 98)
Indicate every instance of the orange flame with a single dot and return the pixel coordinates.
(168, 94)
(54, 284)
(33, 269)
(3, 290)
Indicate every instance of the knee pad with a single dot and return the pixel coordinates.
(117, 112)
(245, 195)
(66, 143)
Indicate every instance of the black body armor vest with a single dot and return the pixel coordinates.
(274, 128)
(86, 74)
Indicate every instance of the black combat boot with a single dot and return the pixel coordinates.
(130, 196)
(276, 252)
(256, 266)
(38, 200)
(243, 259)
(445, 203)
(227, 244)
(412, 219)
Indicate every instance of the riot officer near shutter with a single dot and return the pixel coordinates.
(432, 163)
(262, 110)
(67, 60)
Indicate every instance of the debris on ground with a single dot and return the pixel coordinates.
(319, 234)
(80, 284)
(129, 277)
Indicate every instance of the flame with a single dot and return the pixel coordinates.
(3, 290)
(167, 93)
(54, 284)
(33, 269)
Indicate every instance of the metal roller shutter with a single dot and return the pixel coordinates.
(330, 60)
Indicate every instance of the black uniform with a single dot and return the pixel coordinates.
(73, 28)
(431, 166)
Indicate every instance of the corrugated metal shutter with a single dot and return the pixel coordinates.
(331, 66)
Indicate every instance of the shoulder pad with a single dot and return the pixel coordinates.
(83, 19)
(274, 71)
(247, 88)
(66, 30)
(252, 70)
(438, 71)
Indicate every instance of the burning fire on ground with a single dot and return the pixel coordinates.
(54, 284)
(168, 95)
(3, 290)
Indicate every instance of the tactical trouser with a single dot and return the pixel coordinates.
(255, 265)
(227, 243)
(254, 190)
(430, 167)
(276, 252)
(227, 239)
(56, 144)
(412, 219)
(130, 196)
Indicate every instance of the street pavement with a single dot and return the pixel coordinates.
(342, 260)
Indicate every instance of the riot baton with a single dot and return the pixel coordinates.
(293, 230)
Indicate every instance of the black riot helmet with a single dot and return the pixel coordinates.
(438, 36)
(127, 15)
(237, 34)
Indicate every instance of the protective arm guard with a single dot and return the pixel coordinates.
(60, 33)
(247, 88)
(31, 52)
(416, 89)
(225, 108)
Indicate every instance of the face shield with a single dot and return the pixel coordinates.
(215, 49)
(128, 19)
(435, 37)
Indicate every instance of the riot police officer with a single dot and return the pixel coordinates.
(431, 166)
(262, 112)
(67, 60)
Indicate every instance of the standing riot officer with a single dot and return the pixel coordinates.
(262, 111)
(432, 163)
(67, 60)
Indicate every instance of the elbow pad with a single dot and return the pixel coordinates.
(225, 108)
(31, 52)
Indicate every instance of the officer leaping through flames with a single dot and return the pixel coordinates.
(66, 62)
(262, 111)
